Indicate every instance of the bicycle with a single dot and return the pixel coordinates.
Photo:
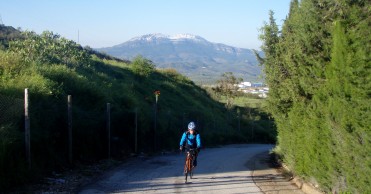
(188, 166)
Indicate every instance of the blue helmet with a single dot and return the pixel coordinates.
(191, 125)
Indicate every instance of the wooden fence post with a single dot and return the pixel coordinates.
(108, 126)
(155, 130)
(27, 128)
(69, 112)
(136, 130)
(239, 119)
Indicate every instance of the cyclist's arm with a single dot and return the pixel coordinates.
(198, 140)
(182, 139)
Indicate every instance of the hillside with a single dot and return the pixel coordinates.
(193, 56)
(54, 67)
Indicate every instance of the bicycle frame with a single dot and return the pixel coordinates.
(188, 166)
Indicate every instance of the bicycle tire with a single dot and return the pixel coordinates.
(186, 175)
(188, 166)
(186, 169)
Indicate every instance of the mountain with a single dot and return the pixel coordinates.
(200, 60)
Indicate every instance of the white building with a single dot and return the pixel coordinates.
(253, 88)
(244, 84)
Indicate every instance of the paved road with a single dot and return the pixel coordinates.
(220, 170)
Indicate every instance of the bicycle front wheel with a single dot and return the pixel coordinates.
(186, 171)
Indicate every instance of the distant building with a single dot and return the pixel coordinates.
(253, 88)
(247, 84)
(257, 84)
(244, 84)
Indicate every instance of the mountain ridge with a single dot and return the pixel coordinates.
(194, 56)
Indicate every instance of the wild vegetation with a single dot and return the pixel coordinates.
(318, 70)
(52, 67)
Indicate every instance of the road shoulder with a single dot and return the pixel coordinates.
(271, 177)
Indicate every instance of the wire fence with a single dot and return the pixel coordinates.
(10, 108)
(62, 131)
(76, 134)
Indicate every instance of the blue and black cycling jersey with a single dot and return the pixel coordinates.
(191, 141)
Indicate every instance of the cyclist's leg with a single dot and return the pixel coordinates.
(195, 159)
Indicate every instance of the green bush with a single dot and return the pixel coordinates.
(142, 67)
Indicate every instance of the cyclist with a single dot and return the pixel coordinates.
(191, 140)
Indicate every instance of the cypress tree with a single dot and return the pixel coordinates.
(318, 72)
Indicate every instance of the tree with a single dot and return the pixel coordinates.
(276, 74)
(318, 72)
(227, 86)
(142, 66)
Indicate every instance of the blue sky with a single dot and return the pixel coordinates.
(103, 23)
